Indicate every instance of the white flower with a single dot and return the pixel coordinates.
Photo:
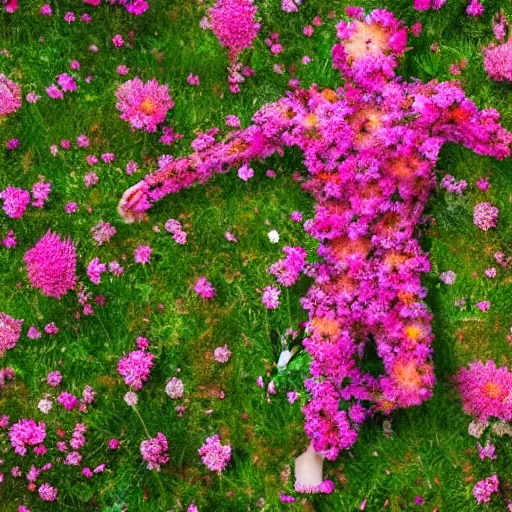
(44, 406)
(273, 236)
(284, 359)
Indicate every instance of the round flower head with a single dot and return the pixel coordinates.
(10, 96)
(233, 22)
(26, 433)
(51, 265)
(15, 201)
(214, 455)
(174, 388)
(136, 367)
(10, 331)
(485, 391)
(154, 451)
(485, 216)
(143, 105)
(370, 47)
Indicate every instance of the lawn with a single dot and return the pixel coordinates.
(429, 452)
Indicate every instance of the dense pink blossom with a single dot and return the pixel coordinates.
(498, 61)
(222, 354)
(174, 388)
(10, 96)
(51, 265)
(485, 391)
(270, 297)
(204, 288)
(214, 455)
(485, 216)
(26, 433)
(47, 492)
(40, 192)
(15, 201)
(154, 451)
(483, 490)
(95, 269)
(234, 24)
(10, 331)
(103, 232)
(67, 400)
(143, 105)
(135, 368)
(54, 378)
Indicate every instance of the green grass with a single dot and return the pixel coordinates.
(430, 453)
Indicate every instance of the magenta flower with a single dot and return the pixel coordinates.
(204, 288)
(270, 297)
(222, 354)
(95, 269)
(103, 232)
(154, 451)
(143, 105)
(67, 400)
(26, 433)
(233, 22)
(10, 331)
(485, 216)
(484, 391)
(15, 201)
(483, 490)
(174, 388)
(51, 265)
(142, 254)
(47, 492)
(10, 96)
(136, 367)
(214, 455)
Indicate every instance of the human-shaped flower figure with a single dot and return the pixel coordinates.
(370, 148)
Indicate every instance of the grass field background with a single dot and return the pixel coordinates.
(429, 454)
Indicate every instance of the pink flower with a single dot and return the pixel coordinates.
(51, 265)
(67, 400)
(154, 451)
(54, 378)
(487, 452)
(308, 31)
(95, 269)
(67, 82)
(142, 254)
(174, 388)
(483, 490)
(193, 79)
(70, 208)
(10, 96)
(118, 41)
(484, 391)
(143, 105)
(91, 179)
(47, 492)
(26, 433)
(113, 444)
(233, 23)
(475, 8)
(69, 17)
(245, 172)
(131, 398)
(40, 192)
(103, 232)
(222, 354)
(214, 455)
(10, 331)
(135, 368)
(15, 201)
(485, 216)
(54, 92)
(46, 10)
(204, 288)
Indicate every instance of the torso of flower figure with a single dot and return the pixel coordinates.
(370, 149)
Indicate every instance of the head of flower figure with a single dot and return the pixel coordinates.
(370, 47)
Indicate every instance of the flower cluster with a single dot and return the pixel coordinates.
(233, 23)
(214, 455)
(485, 216)
(143, 105)
(486, 391)
(370, 149)
(136, 367)
(15, 201)
(51, 265)
(10, 331)
(154, 451)
(483, 490)
(10, 96)
(26, 433)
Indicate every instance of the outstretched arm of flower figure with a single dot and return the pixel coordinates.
(260, 140)
(457, 119)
